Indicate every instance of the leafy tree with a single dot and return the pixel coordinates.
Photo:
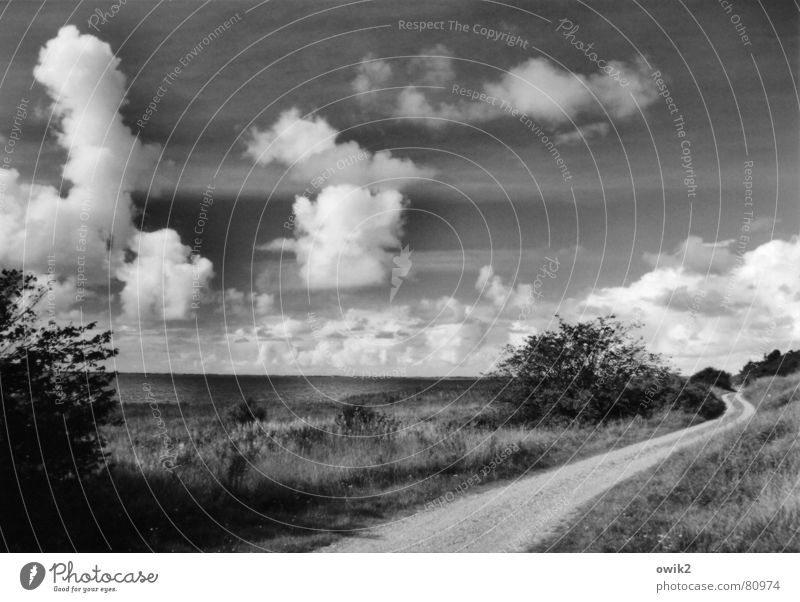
(578, 371)
(773, 364)
(714, 377)
(55, 392)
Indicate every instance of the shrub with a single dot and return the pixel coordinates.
(578, 371)
(774, 364)
(55, 391)
(247, 411)
(713, 377)
(700, 399)
(364, 420)
(644, 396)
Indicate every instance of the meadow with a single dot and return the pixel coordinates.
(740, 492)
(216, 479)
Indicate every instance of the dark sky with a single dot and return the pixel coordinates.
(496, 195)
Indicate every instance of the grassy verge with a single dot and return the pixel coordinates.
(739, 492)
(294, 485)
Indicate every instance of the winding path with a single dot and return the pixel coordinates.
(513, 516)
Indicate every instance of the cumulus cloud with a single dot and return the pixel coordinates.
(697, 256)
(432, 67)
(243, 304)
(722, 311)
(161, 279)
(342, 238)
(307, 147)
(536, 87)
(491, 286)
(291, 139)
(104, 163)
(343, 234)
(540, 89)
(357, 340)
(371, 74)
(550, 94)
(392, 341)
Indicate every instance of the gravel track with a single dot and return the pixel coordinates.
(514, 516)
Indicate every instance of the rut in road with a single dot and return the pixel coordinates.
(513, 517)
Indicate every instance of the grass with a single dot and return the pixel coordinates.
(740, 492)
(294, 484)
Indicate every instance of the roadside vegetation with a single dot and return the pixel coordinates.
(740, 492)
(774, 363)
(166, 477)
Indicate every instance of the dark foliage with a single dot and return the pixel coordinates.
(577, 371)
(247, 411)
(55, 391)
(364, 420)
(713, 377)
(773, 364)
(55, 395)
(594, 371)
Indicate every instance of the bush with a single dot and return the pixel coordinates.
(774, 364)
(364, 420)
(55, 391)
(713, 377)
(577, 372)
(700, 399)
(247, 411)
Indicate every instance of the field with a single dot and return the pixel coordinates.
(194, 478)
(739, 493)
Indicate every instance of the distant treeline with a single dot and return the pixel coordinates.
(773, 364)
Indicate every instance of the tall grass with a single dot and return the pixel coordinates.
(306, 478)
(738, 493)
(298, 483)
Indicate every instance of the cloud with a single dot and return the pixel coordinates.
(164, 279)
(492, 287)
(240, 304)
(392, 341)
(433, 67)
(540, 89)
(412, 102)
(371, 74)
(723, 311)
(307, 147)
(582, 133)
(356, 341)
(697, 256)
(104, 161)
(545, 92)
(83, 234)
(291, 139)
(342, 237)
(536, 87)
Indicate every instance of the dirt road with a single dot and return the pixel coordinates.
(512, 517)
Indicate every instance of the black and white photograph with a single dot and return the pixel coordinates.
(424, 276)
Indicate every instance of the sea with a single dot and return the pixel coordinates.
(298, 394)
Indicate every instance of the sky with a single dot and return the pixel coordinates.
(378, 188)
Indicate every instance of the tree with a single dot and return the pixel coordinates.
(54, 388)
(578, 371)
(714, 377)
(773, 364)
